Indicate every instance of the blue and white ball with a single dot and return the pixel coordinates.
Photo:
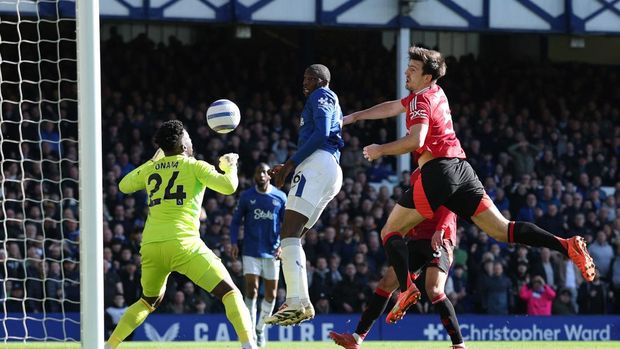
(223, 116)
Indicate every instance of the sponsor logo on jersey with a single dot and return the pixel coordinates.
(260, 214)
(419, 113)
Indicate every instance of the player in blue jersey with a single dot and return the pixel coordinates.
(317, 179)
(260, 209)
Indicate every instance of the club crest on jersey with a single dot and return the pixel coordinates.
(324, 100)
(252, 202)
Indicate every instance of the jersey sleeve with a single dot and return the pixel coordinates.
(237, 219)
(446, 221)
(323, 110)
(405, 101)
(419, 111)
(134, 180)
(222, 183)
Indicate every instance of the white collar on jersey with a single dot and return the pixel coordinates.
(423, 90)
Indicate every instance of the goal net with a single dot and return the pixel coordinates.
(39, 213)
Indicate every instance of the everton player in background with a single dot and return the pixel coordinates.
(260, 211)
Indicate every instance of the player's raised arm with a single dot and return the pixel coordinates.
(380, 111)
(222, 183)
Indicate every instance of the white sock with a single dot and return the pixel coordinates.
(357, 337)
(304, 293)
(266, 308)
(251, 304)
(291, 262)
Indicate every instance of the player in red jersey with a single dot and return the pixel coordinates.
(430, 247)
(446, 177)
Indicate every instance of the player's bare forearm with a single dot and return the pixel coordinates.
(403, 145)
(379, 111)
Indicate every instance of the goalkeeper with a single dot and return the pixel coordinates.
(175, 183)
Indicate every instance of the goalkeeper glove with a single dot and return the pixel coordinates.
(228, 161)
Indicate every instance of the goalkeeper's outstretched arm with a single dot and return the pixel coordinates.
(226, 183)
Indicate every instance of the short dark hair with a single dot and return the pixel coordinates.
(169, 136)
(433, 62)
(320, 71)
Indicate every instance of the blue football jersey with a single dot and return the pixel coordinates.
(261, 215)
(320, 126)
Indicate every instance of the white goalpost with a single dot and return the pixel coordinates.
(51, 253)
(91, 205)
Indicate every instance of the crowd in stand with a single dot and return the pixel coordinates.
(543, 138)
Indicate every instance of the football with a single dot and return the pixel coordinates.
(223, 116)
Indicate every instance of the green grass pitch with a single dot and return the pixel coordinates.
(329, 345)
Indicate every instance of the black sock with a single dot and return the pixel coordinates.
(376, 306)
(398, 256)
(448, 318)
(530, 234)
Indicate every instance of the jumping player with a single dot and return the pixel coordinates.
(430, 246)
(260, 210)
(175, 182)
(316, 181)
(446, 177)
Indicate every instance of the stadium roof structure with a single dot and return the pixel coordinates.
(539, 16)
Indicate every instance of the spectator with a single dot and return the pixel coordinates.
(563, 304)
(178, 305)
(614, 278)
(523, 154)
(457, 289)
(552, 221)
(602, 253)
(593, 297)
(495, 289)
(115, 311)
(539, 296)
(546, 267)
(348, 294)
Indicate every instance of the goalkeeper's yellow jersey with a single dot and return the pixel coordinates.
(175, 186)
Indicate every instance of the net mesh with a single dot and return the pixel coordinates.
(39, 214)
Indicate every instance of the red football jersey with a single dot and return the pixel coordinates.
(430, 106)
